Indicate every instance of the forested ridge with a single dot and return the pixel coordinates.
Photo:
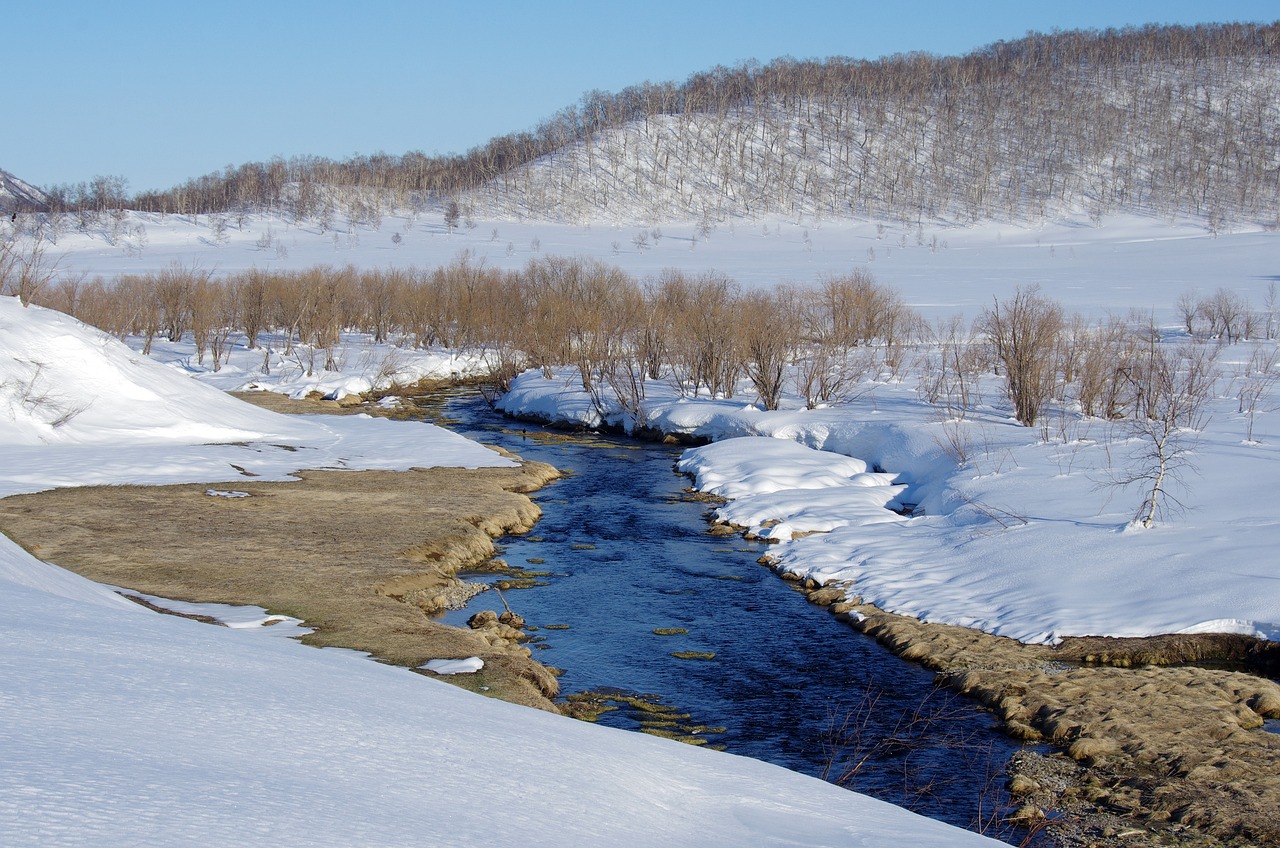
(1157, 119)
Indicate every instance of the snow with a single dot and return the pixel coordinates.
(1125, 262)
(469, 665)
(78, 407)
(122, 726)
(125, 726)
(779, 488)
(1024, 538)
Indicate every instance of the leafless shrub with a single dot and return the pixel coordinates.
(1024, 333)
(24, 268)
(1256, 381)
(31, 392)
(770, 335)
(889, 750)
(956, 441)
(1102, 353)
(1171, 386)
(950, 367)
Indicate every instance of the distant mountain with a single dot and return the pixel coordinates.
(19, 196)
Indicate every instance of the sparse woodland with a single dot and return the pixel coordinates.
(1158, 119)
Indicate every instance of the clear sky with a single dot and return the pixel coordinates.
(160, 92)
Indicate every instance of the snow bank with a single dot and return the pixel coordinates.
(779, 488)
(78, 408)
(123, 727)
(1020, 537)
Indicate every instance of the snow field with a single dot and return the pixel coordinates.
(124, 727)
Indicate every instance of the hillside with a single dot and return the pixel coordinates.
(1169, 136)
(18, 196)
(1157, 120)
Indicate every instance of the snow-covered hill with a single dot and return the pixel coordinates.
(1164, 138)
(77, 407)
(18, 196)
(1158, 120)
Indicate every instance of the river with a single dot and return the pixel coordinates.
(622, 552)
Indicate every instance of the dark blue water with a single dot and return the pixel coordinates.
(629, 554)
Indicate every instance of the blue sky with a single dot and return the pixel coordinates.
(159, 92)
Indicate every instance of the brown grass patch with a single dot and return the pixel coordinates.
(337, 549)
(1178, 751)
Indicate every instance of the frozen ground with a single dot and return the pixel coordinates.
(125, 727)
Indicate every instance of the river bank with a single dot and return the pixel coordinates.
(1150, 755)
(1147, 747)
(361, 556)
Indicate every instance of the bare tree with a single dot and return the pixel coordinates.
(24, 272)
(1259, 376)
(770, 331)
(1024, 334)
(1172, 384)
(452, 215)
(949, 376)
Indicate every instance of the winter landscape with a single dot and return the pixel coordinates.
(1067, 428)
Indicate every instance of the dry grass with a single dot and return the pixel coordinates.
(1177, 751)
(338, 549)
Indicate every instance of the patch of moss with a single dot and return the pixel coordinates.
(671, 734)
(693, 655)
(650, 715)
(518, 584)
(586, 706)
(498, 566)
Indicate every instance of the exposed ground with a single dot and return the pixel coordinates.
(361, 556)
(1151, 751)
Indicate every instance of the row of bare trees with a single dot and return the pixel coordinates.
(701, 332)
(705, 336)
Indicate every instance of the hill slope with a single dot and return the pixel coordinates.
(19, 196)
(1157, 120)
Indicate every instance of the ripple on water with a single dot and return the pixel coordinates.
(763, 674)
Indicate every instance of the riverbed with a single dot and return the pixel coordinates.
(634, 597)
